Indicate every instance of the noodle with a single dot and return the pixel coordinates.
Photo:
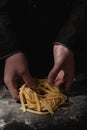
(46, 101)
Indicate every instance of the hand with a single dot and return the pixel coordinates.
(63, 70)
(16, 68)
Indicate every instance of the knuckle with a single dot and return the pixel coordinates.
(7, 80)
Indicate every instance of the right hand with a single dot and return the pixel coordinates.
(63, 71)
(16, 68)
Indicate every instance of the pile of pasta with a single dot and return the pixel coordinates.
(46, 101)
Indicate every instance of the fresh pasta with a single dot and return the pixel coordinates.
(46, 101)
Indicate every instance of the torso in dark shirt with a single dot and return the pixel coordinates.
(37, 23)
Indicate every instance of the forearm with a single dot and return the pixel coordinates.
(72, 34)
(8, 42)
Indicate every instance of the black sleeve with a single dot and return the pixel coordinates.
(8, 42)
(74, 32)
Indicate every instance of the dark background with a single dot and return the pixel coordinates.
(36, 31)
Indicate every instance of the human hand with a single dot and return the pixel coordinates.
(63, 71)
(16, 68)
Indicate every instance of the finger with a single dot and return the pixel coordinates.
(59, 83)
(52, 75)
(60, 75)
(29, 81)
(12, 87)
(67, 86)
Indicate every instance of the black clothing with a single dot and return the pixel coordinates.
(32, 26)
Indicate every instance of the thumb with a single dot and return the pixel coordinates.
(52, 75)
(28, 80)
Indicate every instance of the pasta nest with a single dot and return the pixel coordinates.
(46, 101)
